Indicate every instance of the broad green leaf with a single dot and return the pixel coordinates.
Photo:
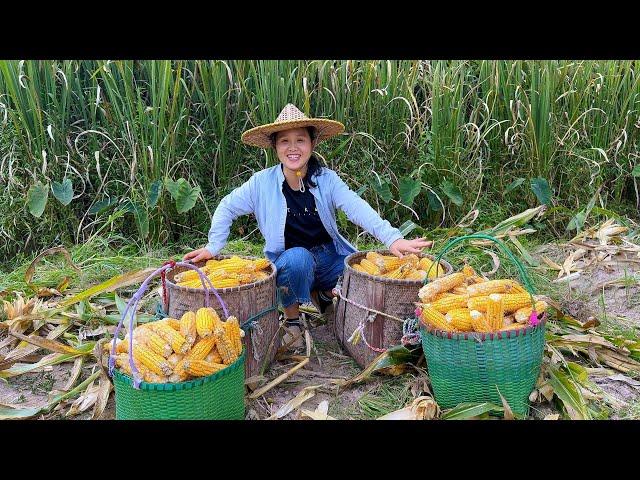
(541, 188)
(184, 195)
(524, 252)
(577, 221)
(102, 205)
(465, 411)
(579, 373)
(382, 188)
(409, 190)
(142, 219)
(513, 185)
(154, 193)
(452, 191)
(636, 171)
(37, 198)
(434, 203)
(121, 305)
(63, 191)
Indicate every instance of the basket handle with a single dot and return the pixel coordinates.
(132, 306)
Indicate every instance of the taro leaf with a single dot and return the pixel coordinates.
(184, 195)
(102, 206)
(409, 190)
(63, 191)
(569, 393)
(452, 191)
(119, 281)
(382, 188)
(540, 187)
(28, 275)
(636, 171)
(434, 202)
(154, 193)
(37, 198)
(142, 219)
(465, 411)
(577, 221)
(513, 185)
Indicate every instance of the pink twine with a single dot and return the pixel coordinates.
(533, 319)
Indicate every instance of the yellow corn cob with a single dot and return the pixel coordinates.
(396, 274)
(440, 285)
(431, 316)
(511, 302)
(151, 377)
(369, 267)
(174, 359)
(495, 311)
(201, 348)
(357, 267)
(478, 303)
(479, 322)
(233, 332)
(172, 322)
(188, 327)
(206, 321)
(213, 356)
(522, 314)
(492, 286)
(512, 326)
(434, 271)
(123, 345)
(444, 295)
(179, 369)
(189, 275)
(460, 290)
(394, 263)
(226, 283)
(517, 288)
(151, 360)
(178, 342)
(445, 304)
(416, 275)
(200, 368)
(468, 271)
(460, 318)
(262, 263)
(261, 276)
(224, 345)
(154, 341)
(375, 258)
(178, 377)
(122, 362)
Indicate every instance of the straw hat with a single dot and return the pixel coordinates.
(291, 117)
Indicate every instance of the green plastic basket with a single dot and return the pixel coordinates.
(479, 367)
(217, 397)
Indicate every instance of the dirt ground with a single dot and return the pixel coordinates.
(602, 292)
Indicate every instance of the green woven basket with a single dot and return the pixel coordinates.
(217, 397)
(479, 367)
(472, 367)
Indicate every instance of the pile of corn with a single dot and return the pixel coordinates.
(230, 272)
(170, 350)
(409, 267)
(466, 302)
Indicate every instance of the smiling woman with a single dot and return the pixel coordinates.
(295, 205)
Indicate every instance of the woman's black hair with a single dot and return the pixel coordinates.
(313, 166)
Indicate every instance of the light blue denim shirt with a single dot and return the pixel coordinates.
(262, 195)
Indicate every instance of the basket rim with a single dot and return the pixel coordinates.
(246, 286)
(186, 385)
(392, 281)
(482, 336)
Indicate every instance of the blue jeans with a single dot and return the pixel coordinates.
(300, 271)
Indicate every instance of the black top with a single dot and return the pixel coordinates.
(304, 227)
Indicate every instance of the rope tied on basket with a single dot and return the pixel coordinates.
(410, 332)
(163, 277)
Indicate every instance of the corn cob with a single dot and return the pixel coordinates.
(395, 274)
(200, 368)
(431, 316)
(154, 341)
(188, 327)
(508, 320)
(122, 346)
(224, 345)
(357, 267)
(479, 322)
(460, 318)
(440, 285)
(178, 377)
(213, 356)
(262, 263)
(226, 283)
(190, 275)
(523, 314)
(151, 377)
(513, 326)
(478, 303)
(426, 263)
(495, 311)
(445, 304)
(174, 359)
(443, 295)
(172, 322)
(416, 275)
(233, 332)
(492, 286)
(517, 288)
(206, 321)
(178, 342)
(515, 301)
(122, 362)
(151, 360)
(369, 267)
(460, 290)
(375, 258)
(201, 348)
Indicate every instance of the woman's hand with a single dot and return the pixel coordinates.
(198, 255)
(401, 246)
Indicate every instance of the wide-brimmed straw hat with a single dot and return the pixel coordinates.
(291, 117)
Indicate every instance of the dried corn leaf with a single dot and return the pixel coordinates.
(46, 343)
(467, 410)
(302, 396)
(422, 408)
(320, 413)
(84, 401)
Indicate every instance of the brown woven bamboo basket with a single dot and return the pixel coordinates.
(262, 340)
(390, 296)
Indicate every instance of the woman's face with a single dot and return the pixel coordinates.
(294, 148)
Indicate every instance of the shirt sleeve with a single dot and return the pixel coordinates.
(241, 201)
(361, 213)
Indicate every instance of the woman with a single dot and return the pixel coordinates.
(295, 205)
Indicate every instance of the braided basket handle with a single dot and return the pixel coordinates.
(133, 306)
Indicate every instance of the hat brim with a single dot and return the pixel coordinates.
(259, 136)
